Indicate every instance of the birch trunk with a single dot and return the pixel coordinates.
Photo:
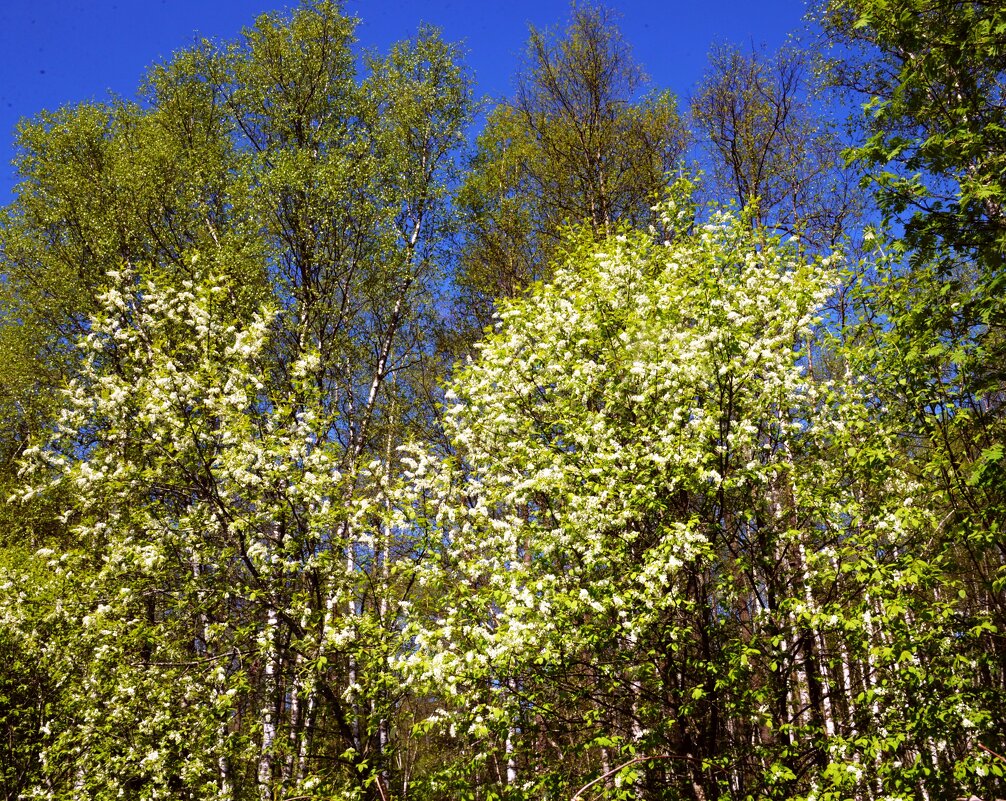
(268, 712)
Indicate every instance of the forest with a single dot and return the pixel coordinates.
(367, 440)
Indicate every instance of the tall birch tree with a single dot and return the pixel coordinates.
(581, 142)
(244, 284)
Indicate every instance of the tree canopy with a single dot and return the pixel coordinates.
(351, 454)
(576, 145)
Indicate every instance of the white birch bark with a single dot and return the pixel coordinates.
(268, 713)
(511, 760)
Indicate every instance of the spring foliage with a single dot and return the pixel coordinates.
(672, 531)
(660, 535)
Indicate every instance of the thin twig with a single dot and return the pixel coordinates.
(615, 770)
(997, 756)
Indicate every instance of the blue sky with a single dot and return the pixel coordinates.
(58, 52)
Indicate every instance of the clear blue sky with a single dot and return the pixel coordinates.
(55, 52)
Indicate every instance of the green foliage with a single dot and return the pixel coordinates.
(932, 74)
(932, 78)
(659, 536)
(576, 145)
(673, 533)
(35, 682)
(234, 281)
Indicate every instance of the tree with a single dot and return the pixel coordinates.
(769, 148)
(934, 85)
(649, 550)
(210, 521)
(932, 76)
(932, 73)
(575, 145)
(661, 545)
(240, 274)
(32, 687)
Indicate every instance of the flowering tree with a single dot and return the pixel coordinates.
(662, 545)
(666, 540)
(239, 277)
(213, 620)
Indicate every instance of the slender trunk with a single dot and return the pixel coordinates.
(609, 783)
(869, 682)
(386, 625)
(223, 769)
(511, 760)
(696, 776)
(351, 678)
(224, 781)
(800, 695)
(306, 736)
(635, 687)
(828, 687)
(268, 711)
(814, 661)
